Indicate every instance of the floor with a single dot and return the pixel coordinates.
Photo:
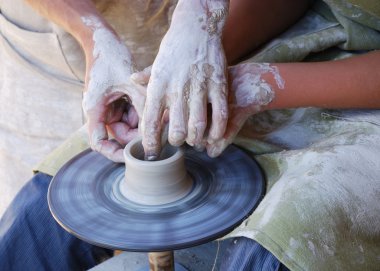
(205, 257)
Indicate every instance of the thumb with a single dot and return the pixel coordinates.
(235, 123)
(142, 77)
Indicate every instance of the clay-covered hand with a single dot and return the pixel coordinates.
(112, 102)
(188, 73)
(249, 93)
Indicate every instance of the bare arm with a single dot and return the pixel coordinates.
(348, 83)
(251, 23)
(353, 82)
(68, 14)
(343, 84)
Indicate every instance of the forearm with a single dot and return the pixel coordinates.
(256, 87)
(349, 83)
(251, 23)
(70, 15)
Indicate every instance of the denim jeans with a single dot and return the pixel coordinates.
(30, 239)
(244, 254)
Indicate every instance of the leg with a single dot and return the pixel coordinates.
(247, 255)
(30, 239)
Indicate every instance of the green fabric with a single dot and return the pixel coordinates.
(322, 207)
(312, 34)
(75, 144)
(328, 24)
(364, 12)
(360, 26)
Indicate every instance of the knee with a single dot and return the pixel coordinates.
(29, 209)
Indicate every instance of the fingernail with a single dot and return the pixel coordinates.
(150, 157)
(199, 147)
(177, 138)
(211, 140)
(213, 151)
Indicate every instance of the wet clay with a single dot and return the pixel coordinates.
(154, 182)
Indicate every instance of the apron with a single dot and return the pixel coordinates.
(40, 102)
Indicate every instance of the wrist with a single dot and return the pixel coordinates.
(255, 86)
(90, 29)
(208, 16)
(273, 103)
(100, 42)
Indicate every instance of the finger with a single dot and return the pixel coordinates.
(164, 132)
(99, 141)
(142, 77)
(122, 132)
(234, 125)
(215, 149)
(111, 149)
(115, 111)
(218, 99)
(165, 118)
(151, 121)
(138, 101)
(131, 118)
(197, 116)
(96, 125)
(178, 116)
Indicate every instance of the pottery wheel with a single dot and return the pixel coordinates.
(84, 199)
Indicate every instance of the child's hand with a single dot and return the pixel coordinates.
(249, 92)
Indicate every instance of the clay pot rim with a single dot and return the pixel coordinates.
(131, 160)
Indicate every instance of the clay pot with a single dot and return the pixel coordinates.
(162, 181)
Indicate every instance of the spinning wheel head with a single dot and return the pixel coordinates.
(89, 197)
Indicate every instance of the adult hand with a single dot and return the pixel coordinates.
(112, 102)
(249, 93)
(188, 72)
